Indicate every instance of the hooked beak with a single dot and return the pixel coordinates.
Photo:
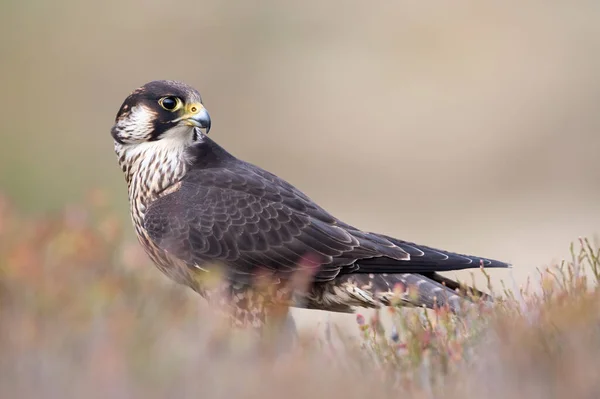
(197, 116)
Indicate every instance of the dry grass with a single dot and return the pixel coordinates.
(81, 316)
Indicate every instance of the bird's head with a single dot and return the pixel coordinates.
(160, 110)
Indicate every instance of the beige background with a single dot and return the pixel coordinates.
(471, 126)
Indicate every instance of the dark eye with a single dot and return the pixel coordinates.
(170, 103)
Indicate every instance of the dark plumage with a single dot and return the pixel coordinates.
(194, 204)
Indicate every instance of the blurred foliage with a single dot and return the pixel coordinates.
(81, 316)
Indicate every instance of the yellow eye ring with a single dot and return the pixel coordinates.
(170, 103)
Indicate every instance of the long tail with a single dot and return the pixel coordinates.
(373, 290)
(418, 276)
(430, 290)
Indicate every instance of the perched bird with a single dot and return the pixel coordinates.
(195, 205)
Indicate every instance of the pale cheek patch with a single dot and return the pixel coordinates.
(137, 125)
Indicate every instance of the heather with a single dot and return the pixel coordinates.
(83, 314)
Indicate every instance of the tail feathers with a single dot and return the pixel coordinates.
(456, 286)
(414, 290)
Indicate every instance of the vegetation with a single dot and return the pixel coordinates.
(80, 316)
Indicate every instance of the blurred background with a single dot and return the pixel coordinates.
(468, 125)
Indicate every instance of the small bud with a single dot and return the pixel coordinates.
(360, 319)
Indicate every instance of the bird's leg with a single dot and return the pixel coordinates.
(282, 326)
(279, 332)
(263, 308)
(288, 335)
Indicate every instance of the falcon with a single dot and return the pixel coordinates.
(195, 206)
